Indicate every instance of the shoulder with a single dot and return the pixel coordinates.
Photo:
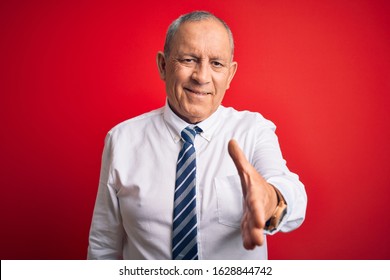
(246, 119)
(136, 125)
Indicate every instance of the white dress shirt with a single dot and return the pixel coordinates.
(133, 213)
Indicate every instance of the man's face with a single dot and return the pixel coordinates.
(198, 70)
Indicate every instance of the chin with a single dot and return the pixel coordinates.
(198, 117)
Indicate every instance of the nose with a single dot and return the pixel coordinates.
(202, 73)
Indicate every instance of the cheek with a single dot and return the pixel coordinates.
(221, 83)
(182, 75)
(176, 79)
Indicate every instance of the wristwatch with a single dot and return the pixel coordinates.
(279, 213)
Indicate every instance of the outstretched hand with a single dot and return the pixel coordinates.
(259, 197)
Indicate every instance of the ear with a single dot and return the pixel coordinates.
(232, 72)
(160, 59)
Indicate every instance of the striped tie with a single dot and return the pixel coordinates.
(184, 243)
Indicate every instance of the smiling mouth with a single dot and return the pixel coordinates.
(200, 93)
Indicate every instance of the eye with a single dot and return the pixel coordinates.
(217, 64)
(188, 60)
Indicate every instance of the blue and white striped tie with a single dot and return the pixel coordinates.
(184, 241)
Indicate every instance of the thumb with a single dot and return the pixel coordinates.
(242, 164)
(238, 156)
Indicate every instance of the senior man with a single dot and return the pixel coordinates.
(194, 179)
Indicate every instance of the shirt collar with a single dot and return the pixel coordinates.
(175, 124)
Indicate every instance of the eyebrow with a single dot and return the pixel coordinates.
(218, 58)
(191, 54)
(187, 54)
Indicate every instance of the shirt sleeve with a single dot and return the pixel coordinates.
(269, 162)
(106, 233)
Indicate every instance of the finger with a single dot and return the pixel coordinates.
(257, 236)
(241, 164)
(238, 156)
(251, 236)
(257, 211)
(246, 235)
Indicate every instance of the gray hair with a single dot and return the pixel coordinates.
(191, 17)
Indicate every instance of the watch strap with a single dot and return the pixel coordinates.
(279, 213)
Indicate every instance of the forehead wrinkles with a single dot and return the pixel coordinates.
(204, 38)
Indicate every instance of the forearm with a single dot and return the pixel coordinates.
(294, 194)
(269, 162)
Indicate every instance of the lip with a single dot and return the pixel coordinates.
(197, 92)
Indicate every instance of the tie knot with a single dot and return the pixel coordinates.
(188, 133)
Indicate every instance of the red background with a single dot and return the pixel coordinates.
(70, 70)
